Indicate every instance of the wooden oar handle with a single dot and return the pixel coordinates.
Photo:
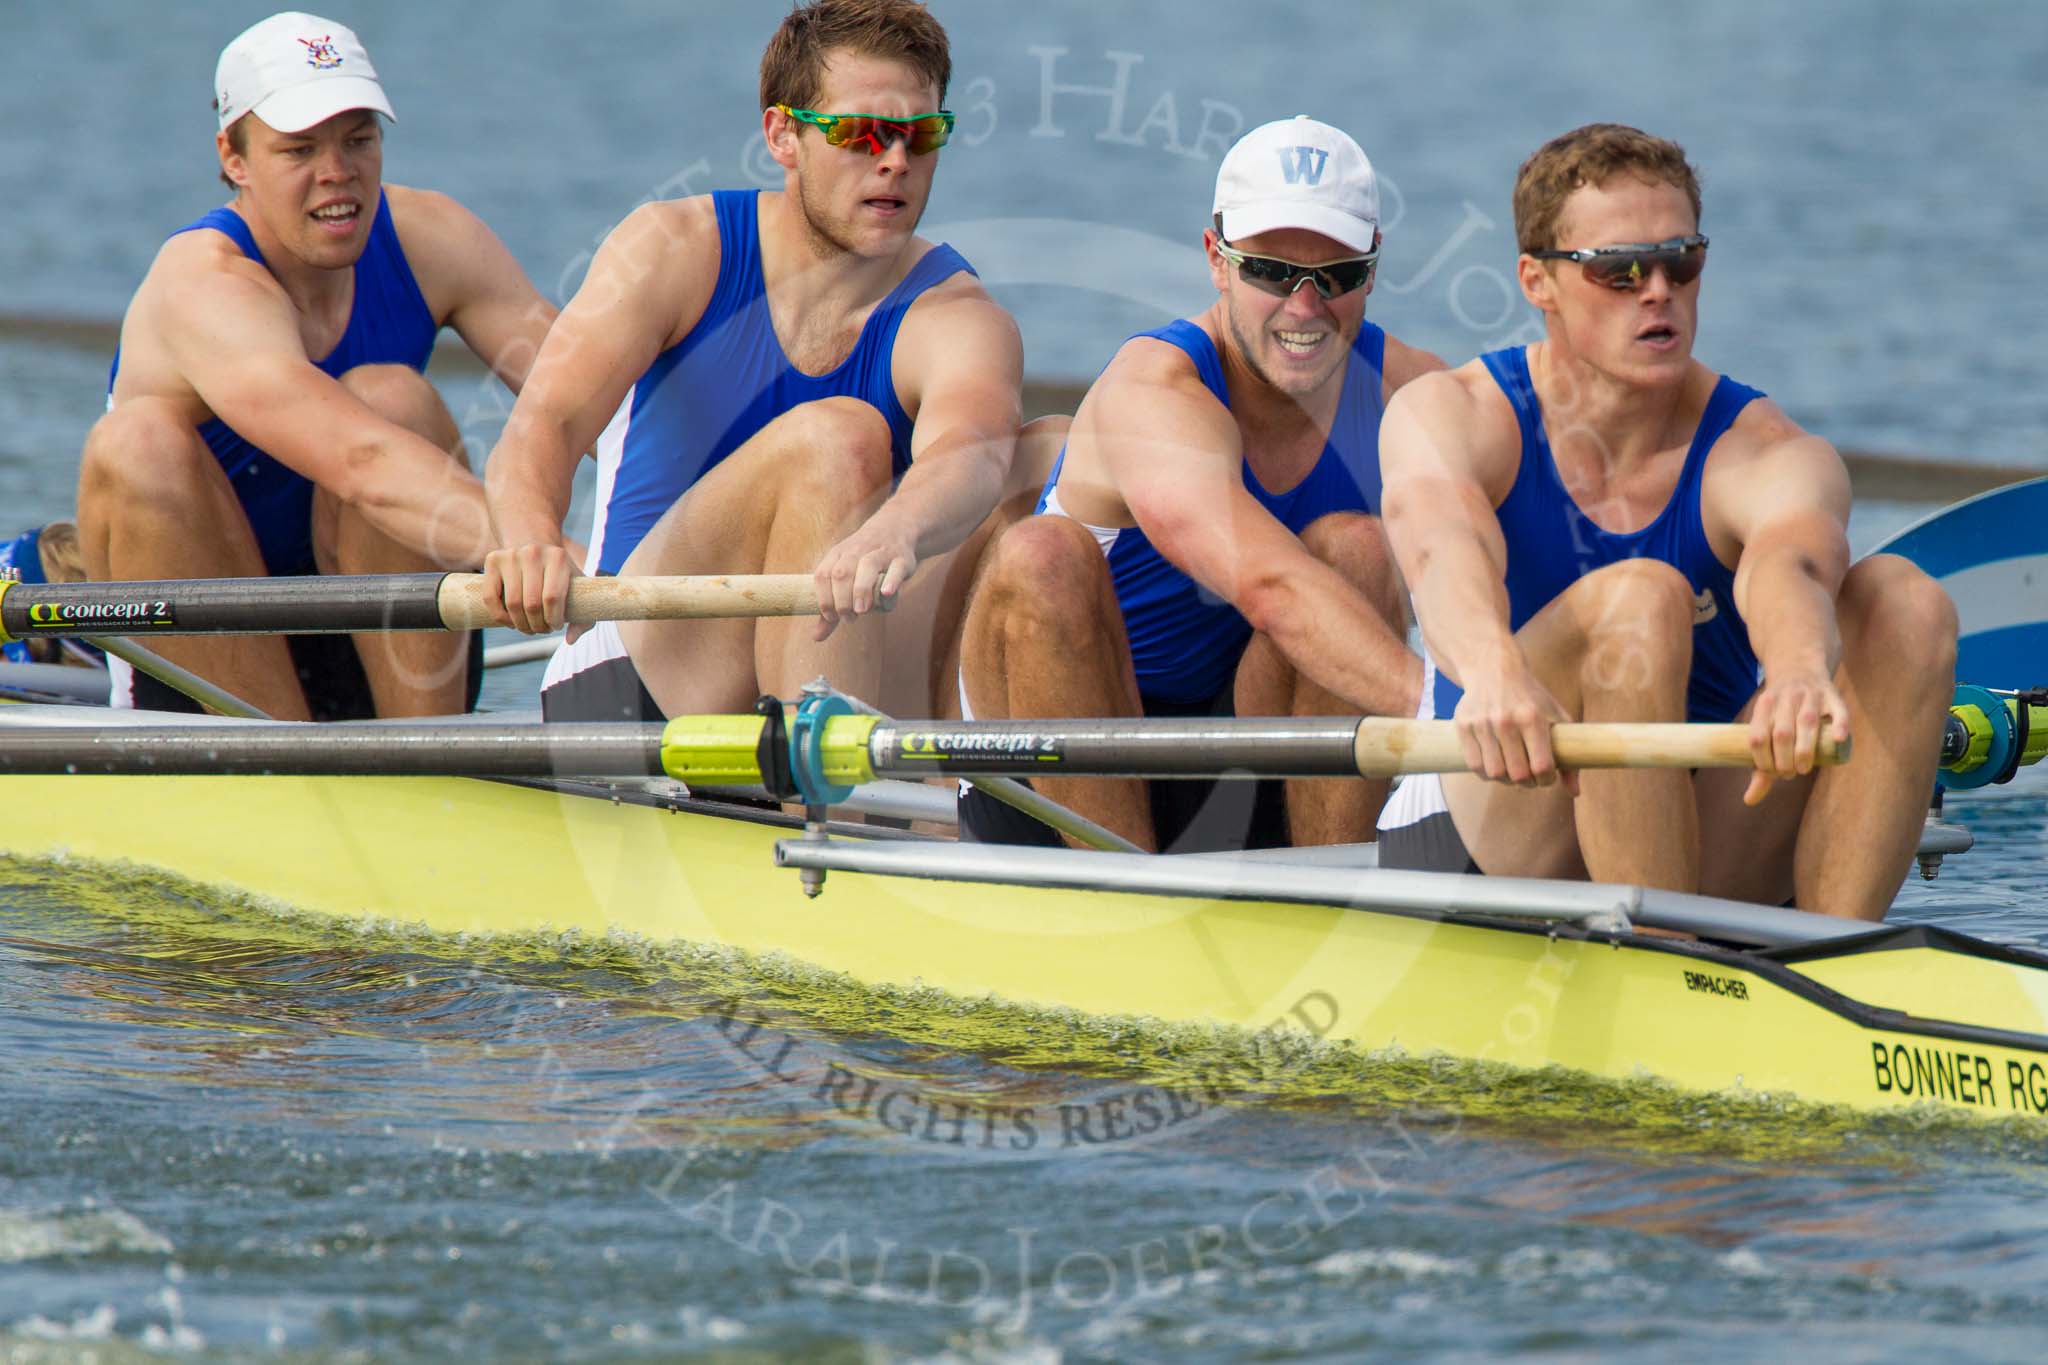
(648, 599)
(1387, 748)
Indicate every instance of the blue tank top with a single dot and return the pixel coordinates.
(21, 559)
(388, 324)
(1185, 640)
(1551, 544)
(706, 395)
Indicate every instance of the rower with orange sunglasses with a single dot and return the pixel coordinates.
(1600, 527)
(1210, 540)
(781, 381)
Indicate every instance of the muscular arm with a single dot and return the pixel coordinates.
(1447, 461)
(471, 282)
(1176, 459)
(646, 286)
(232, 335)
(1785, 501)
(1441, 525)
(965, 362)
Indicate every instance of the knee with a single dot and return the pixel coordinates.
(1638, 623)
(1355, 545)
(1645, 588)
(402, 396)
(1045, 566)
(1891, 610)
(842, 445)
(146, 447)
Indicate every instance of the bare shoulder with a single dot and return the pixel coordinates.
(200, 280)
(653, 275)
(1151, 390)
(1762, 426)
(961, 284)
(205, 319)
(434, 228)
(955, 309)
(1402, 363)
(454, 256)
(197, 257)
(667, 249)
(1149, 442)
(959, 353)
(1766, 454)
(1465, 398)
(425, 211)
(668, 231)
(1453, 422)
(1147, 372)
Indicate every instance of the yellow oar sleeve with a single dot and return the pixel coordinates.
(712, 750)
(2037, 729)
(724, 750)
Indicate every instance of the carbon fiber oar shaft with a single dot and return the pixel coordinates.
(333, 604)
(411, 750)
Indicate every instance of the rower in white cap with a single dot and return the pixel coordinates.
(1209, 542)
(268, 414)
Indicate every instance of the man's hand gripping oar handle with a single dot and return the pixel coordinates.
(463, 606)
(1388, 748)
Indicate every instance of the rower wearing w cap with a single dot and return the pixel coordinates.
(1599, 527)
(1209, 543)
(787, 381)
(268, 414)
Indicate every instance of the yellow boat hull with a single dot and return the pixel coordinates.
(1918, 1017)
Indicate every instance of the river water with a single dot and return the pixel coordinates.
(233, 1133)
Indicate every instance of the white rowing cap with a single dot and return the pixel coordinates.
(1299, 173)
(294, 70)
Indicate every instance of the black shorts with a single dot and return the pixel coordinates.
(1188, 815)
(609, 690)
(1431, 844)
(330, 673)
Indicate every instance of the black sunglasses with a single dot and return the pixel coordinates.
(1624, 267)
(1274, 276)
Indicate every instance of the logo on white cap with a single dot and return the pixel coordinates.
(321, 53)
(295, 70)
(1298, 173)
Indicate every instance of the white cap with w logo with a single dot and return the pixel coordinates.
(1298, 173)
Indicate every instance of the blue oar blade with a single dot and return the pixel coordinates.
(1991, 553)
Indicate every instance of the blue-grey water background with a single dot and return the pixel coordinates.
(274, 1144)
